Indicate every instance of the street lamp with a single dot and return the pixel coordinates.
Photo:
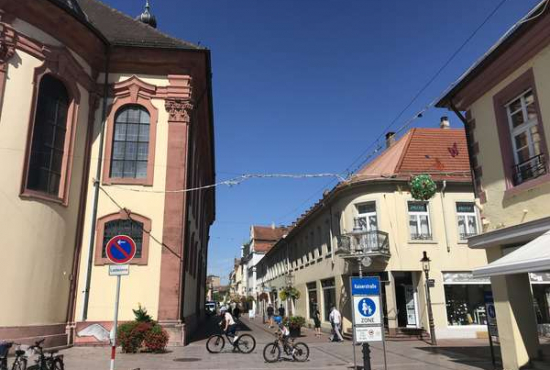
(426, 267)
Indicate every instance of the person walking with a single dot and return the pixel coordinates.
(282, 311)
(335, 319)
(317, 321)
(270, 312)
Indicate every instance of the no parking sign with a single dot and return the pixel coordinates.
(120, 249)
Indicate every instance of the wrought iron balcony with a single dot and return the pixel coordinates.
(373, 243)
(530, 169)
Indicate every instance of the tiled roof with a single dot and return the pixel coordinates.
(441, 153)
(121, 29)
(268, 233)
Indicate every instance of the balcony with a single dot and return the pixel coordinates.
(421, 236)
(529, 169)
(373, 243)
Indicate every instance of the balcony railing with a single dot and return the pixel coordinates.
(368, 243)
(421, 236)
(530, 169)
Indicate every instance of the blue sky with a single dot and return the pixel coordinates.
(305, 86)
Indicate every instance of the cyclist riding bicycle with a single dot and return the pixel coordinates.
(283, 332)
(228, 324)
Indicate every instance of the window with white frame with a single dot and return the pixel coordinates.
(526, 139)
(467, 220)
(366, 217)
(419, 221)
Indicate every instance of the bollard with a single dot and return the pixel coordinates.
(366, 357)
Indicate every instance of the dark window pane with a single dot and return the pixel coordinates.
(49, 133)
(130, 142)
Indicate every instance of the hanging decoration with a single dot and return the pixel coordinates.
(422, 187)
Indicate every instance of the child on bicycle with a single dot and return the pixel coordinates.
(283, 332)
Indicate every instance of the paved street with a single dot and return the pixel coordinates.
(469, 354)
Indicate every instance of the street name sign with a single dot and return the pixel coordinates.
(367, 310)
(119, 270)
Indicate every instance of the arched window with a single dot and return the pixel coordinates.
(130, 149)
(48, 137)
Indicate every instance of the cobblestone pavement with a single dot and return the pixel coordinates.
(450, 355)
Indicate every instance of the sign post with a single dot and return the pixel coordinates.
(492, 328)
(366, 315)
(120, 250)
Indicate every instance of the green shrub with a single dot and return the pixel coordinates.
(142, 315)
(156, 339)
(295, 322)
(130, 335)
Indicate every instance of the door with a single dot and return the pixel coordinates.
(410, 306)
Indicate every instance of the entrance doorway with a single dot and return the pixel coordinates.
(406, 299)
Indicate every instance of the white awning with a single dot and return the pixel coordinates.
(532, 257)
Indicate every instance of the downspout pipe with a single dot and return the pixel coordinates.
(443, 213)
(97, 182)
(469, 143)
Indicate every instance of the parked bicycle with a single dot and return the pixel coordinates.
(244, 343)
(46, 361)
(19, 362)
(299, 351)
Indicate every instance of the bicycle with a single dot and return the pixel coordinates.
(245, 343)
(51, 361)
(298, 350)
(20, 361)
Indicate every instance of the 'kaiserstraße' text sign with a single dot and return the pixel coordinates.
(367, 309)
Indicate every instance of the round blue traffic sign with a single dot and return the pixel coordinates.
(121, 249)
(366, 307)
(491, 311)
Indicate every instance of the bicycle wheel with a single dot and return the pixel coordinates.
(58, 364)
(246, 343)
(272, 352)
(215, 344)
(19, 364)
(301, 352)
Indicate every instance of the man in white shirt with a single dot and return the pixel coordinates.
(335, 319)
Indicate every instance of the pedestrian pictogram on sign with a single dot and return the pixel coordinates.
(120, 249)
(367, 307)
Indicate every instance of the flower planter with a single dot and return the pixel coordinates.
(295, 332)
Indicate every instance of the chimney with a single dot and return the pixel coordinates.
(390, 139)
(444, 123)
(273, 225)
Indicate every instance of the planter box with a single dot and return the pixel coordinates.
(295, 332)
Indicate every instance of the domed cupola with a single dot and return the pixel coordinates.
(147, 17)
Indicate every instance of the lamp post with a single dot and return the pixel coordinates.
(426, 267)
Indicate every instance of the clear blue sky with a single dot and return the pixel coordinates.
(304, 86)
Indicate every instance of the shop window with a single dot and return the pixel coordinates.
(464, 299)
(419, 221)
(541, 300)
(313, 299)
(467, 220)
(329, 296)
(47, 154)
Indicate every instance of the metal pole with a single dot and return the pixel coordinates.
(493, 359)
(430, 313)
(115, 324)
(366, 347)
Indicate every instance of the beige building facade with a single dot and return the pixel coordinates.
(503, 101)
(70, 78)
(375, 211)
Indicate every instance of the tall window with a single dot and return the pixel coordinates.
(48, 138)
(467, 220)
(367, 219)
(130, 143)
(526, 139)
(329, 296)
(419, 221)
(312, 297)
(132, 228)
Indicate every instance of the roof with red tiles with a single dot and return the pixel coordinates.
(442, 153)
(264, 237)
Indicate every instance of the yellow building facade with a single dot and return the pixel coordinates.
(503, 101)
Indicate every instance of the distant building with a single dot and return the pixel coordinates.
(375, 212)
(506, 99)
(262, 238)
(213, 281)
(236, 278)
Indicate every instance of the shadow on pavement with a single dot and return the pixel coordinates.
(210, 326)
(474, 356)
